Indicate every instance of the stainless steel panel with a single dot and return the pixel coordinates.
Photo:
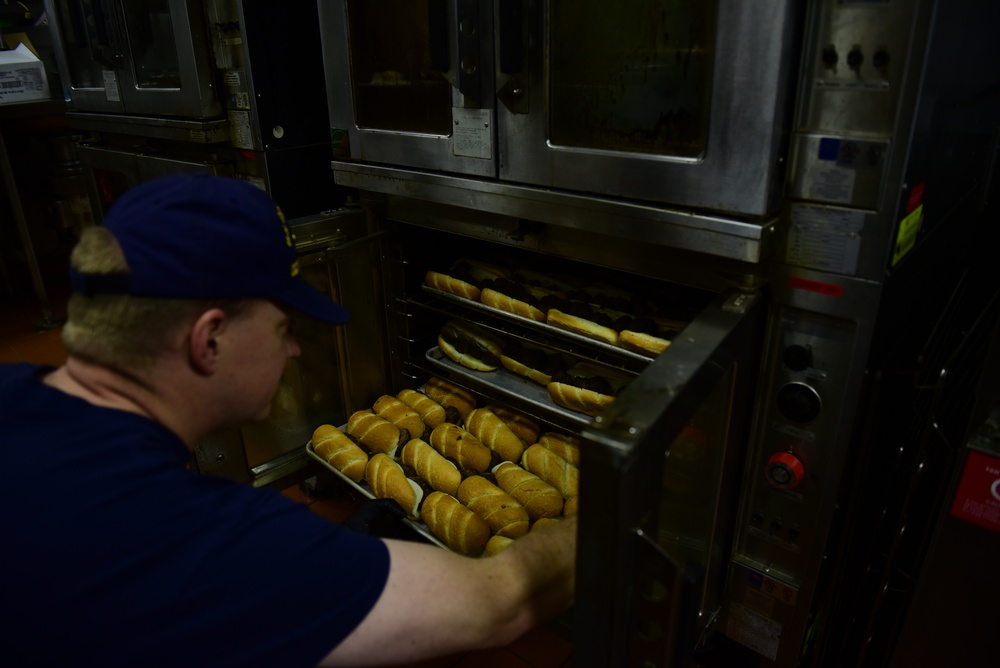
(175, 129)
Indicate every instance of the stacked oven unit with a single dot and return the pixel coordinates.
(228, 88)
(799, 182)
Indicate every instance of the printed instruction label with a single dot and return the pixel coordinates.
(472, 133)
(753, 630)
(825, 238)
(906, 238)
(240, 135)
(978, 497)
(111, 86)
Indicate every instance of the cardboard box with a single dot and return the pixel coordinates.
(22, 73)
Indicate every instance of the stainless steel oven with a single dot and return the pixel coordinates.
(822, 190)
(667, 102)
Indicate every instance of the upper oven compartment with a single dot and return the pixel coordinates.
(658, 101)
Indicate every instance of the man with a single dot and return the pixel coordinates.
(115, 554)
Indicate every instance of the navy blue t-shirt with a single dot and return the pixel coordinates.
(114, 554)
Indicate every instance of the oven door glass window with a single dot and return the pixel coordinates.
(87, 38)
(636, 79)
(395, 86)
(150, 30)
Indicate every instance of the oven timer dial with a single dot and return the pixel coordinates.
(784, 471)
(799, 402)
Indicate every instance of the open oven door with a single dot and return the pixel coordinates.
(659, 486)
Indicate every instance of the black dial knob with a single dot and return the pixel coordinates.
(797, 358)
(829, 55)
(799, 402)
(881, 59)
(855, 58)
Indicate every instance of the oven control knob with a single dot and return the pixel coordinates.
(855, 58)
(829, 55)
(797, 358)
(799, 402)
(784, 471)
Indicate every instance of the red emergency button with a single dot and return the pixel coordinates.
(784, 470)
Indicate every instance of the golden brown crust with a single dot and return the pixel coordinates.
(455, 286)
(401, 415)
(496, 544)
(387, 481)
(538, 497)
(481, 270)
(526, 429)
(572, 506)
(566, 447)
(498, 300)
(460, 446)
(522, 369)
(470, 346)
(374, 432)
(501, 511)
(494, 434)
(431, 412)
(461, 529)
(543, 522)
(578, 399)
(553, 469)
(581, 326)
(639, 342)
(340, 452)
(432, 467)
(450, 395)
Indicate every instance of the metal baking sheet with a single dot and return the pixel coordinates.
(510, 384)
(539, 326)
(366, 491)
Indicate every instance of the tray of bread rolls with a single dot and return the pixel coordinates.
(475, 478)
(601, 315)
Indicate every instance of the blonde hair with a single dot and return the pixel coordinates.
(123, 331)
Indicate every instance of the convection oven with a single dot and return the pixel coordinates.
(799, 183)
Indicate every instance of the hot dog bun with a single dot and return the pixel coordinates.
(640, 342)
(374, 432)
(494, 434)
(538, 497)
(401, 415)
(501, 511)
(459, 528)
(567, 447)
(387, 481)
(553, 469)
(578, 399)
(572, 506)
(496, 544)
(532, 362)
(450, 284)
(497, 297)
(339, 451)
(460, 446)
(431, 412)
(524, 427)
(470, 346)
(432, 467)
(580, 325)
(450, 395)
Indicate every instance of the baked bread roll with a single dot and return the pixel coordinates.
(579, 399)
(524, 427)
(479, 270)
(566, 447)
(339, 451)
(450, 395)
(501, 511)
(470, 346)
(432, 467)
(461, 529)
(639, 342)
(460, 446)
(553, 469)
(496, 544)
(538, 497)
(431, 412)
(543, 522)
(494, 434)
(452, 285)
(387, 481)
(582, 326)
(532, 362)
(572, 506)
(401, 415)
(375, 432)
(504, 302)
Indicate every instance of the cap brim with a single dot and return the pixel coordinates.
(309, 301)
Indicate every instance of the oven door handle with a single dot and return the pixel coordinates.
(510, 35)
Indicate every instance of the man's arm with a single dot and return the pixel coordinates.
(437, 603)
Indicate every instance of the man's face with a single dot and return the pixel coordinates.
(259, 344)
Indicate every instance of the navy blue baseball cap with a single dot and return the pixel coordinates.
(197, 236)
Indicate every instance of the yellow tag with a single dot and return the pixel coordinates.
(907, 235)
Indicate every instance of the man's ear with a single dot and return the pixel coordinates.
(204, 349)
